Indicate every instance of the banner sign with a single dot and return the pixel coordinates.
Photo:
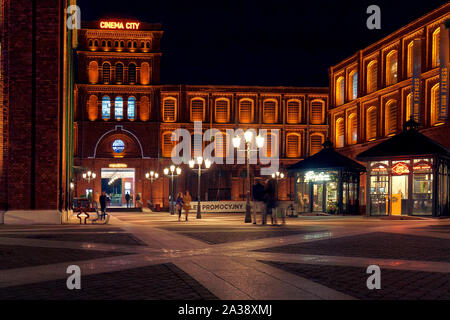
(417, 69)
(443, 72)
(219, 206)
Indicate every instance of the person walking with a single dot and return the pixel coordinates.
(127, 199)
(187, 203)
(179, 204)
(138, 200)
(271, 201)
(103, 202)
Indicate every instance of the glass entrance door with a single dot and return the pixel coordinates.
(317, 197)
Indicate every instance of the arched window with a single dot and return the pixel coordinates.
(109, 44)
(197, 109)
(106, 72)
(371, 129)
(353, 85)
(129, 44)
(340, 91)
(222, 110)
(91, 43)
(245, 110)
(317, 112)
(144, 108)
(339, 133)
(93, 107)
(131, 108)
(106, 108)
(119, 73)
(409, 61)
(316, 143)
(270, 111)
(93, 72)
(134, 44)
(434, 96)
(391, 68)
(352, 128)
(167, 144)
(221, 144)
(103, 43)
(118, 108)
(132, 73)
(96, 43)
(122, 44)
(391, 117)
(294, 111)
(169, 109)
(293, 145)
(116, 44)
(372, 79)
(409, 107)
(435, 48)
(142, 45)
(148, 45)
(145, 73)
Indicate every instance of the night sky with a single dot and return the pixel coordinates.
(230, 42)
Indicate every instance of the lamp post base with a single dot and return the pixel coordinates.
(248, 216)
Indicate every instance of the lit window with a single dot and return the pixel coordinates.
(293, 111)
(106, 108)
(340, 91)
(372, 72)
(391, 117)
(118, 108)
(245, 110)
(391, 68)
(435, 48)
(269, 111)
(409, 106)
(197, 109)
(169, 109)
(222, 110)
(316, 143)
(435, 105)
(118, 146)
(145, 73)
(317, 112)
(410, 59)
(293, 145)
(339, 133)
(354, 85)
(371, 130)
(167, 144)
(131, 110)
(352, 129)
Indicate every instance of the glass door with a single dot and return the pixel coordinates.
(318, 197)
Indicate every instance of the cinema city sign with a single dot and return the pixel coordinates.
(119, 25)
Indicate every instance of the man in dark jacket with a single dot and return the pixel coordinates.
(103, 201)
(258, 195)
(127, 199)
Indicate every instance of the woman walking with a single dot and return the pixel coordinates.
(179, 204)
(187, 203)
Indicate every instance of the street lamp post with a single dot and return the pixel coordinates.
(199, 162)
(152, 176)
(248, 136)
(89, 175)
(172, 172)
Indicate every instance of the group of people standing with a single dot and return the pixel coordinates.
(183, 201)
(267, 198)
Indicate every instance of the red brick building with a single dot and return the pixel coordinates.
(36, 86)
(120, 100)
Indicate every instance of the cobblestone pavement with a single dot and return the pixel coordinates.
(375, 245)
(153, 256)
(396, 284)
(158, 282)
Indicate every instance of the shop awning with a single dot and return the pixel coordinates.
(327, 159)
(410, 142)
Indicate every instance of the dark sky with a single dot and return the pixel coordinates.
(258, 42)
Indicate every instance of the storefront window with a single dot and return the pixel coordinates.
(422, 187)
(332, 197)
(379, 188)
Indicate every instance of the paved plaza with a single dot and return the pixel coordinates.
(153, 256)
